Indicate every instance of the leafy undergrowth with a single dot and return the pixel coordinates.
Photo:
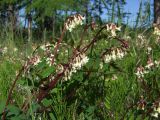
(106, 72)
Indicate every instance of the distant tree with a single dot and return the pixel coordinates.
(47, 14)
(9, 15)
(157, 11)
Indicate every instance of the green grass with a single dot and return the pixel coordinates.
(91, 93)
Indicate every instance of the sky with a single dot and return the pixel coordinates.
(132, 6)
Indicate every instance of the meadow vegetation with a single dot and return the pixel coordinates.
(89, 71)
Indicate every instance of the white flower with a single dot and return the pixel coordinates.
(141, 37)
(149, 49)
(114, 77)
(107, 58)
(50, 60)
(157, 63)
(37, 60)
(4, 50)
(156, 31)
(60, 68)
(111, 27)
(113, 33)
(154, 115)
(43, 47)
(73, 21)
(15, 49)
(141, 72)
(67, 75)
(150, 63)
(84, 60)
(33, 60)
(148, 66)
(158, 109)
(101, 65)
(77, 63)
(113, 53)
(118, 28)
(119, 54)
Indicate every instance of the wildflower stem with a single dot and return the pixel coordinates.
(43, 93)
(93, 40)
(83, 33)
(58, 43)
(10, 91)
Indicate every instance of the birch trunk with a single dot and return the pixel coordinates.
(157, 12)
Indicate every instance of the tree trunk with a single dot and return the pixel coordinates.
(86, 12)
(113, 11)
(29, 17)
(11, 20)
(53, 23)
(29, 27)
(157, 11)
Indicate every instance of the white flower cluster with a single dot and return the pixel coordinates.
(141, 41)
(114, 54)
(141, 71)
(59, 68)
(111, 27)
(157, 63)
(141, 103)
(3, 50)
(50, 60)
(46, 46)
(77, 63)
(48, 49)
(156, 31)
(74, 21)
(149, 49)
(15, 49)
(33, 61)
(156, 111)
(140, 36)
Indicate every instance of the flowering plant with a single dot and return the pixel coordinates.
(52, 63)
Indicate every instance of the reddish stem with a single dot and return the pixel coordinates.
(10, 91)
(43, 93)
(93, 40)
(58, 43)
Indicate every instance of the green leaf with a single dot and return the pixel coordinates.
(47, 102)
(91, 109)
(13, 110)
(35, 107)
(52, 116)
(107, 104)
(55, 90)
(41, 65)
(47, 72)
